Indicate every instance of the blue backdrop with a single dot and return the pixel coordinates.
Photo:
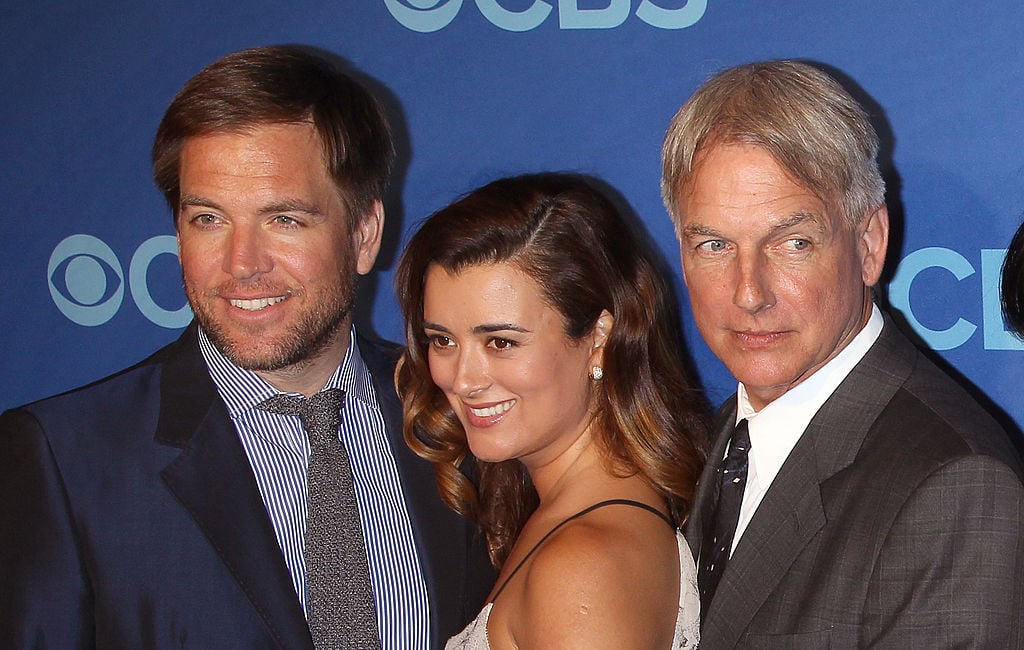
(481, 89)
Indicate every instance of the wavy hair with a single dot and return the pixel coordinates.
(651, 417)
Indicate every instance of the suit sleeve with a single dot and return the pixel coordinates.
(45, 601)
(950, 573)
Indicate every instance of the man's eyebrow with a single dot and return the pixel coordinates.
(285, 205)
(291, 205)
(796, 219)
(193, 201)
(699, 230)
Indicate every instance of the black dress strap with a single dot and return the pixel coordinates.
(601, 504)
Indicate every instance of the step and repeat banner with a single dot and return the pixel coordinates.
(485, 88)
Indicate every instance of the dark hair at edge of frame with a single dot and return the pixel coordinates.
(567, 237)
(1012, 284)
(283, 84)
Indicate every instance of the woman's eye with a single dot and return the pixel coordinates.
(440, 341)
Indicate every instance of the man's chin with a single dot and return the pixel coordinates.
(266, 348)
(267, 359)
(256, 351)
(262, 353)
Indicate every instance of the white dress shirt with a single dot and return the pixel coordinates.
(776, 428)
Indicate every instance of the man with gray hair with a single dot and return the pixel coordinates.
(855, 495)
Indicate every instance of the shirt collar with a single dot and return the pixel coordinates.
(817, 388)
(775, 429)
(243, 389)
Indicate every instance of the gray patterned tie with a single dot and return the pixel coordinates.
(340, 597)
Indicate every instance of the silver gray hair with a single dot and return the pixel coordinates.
(802, 117)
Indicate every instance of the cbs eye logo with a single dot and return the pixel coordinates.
(432, 15)
(87, 282)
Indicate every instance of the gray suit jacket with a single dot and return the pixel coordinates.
(896, 522)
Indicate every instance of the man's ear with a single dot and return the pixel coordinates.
(368, 237)
(872, 244)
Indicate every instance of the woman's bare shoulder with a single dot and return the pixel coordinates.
(608, 579)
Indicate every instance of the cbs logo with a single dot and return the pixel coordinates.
(931, 265)
(433, 15)
(87, 282)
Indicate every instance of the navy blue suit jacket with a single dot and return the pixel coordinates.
(130, 518)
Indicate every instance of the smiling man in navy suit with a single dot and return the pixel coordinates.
(165, 506)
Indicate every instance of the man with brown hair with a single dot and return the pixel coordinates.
(855, 496)
(180, 501)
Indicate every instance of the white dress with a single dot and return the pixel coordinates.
(687, 634)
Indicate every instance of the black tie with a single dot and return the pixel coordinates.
(715, 550)
(340, 596)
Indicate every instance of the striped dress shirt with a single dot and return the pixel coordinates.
(278, 451)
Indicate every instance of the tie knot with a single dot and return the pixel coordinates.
(320, 414)
(739, 446)
(282, 404)
(326, 401)
(741, 437)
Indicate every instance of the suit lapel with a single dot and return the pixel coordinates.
(786, 520)
(792, 512)
(213, 481)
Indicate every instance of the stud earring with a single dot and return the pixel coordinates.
(596, 372)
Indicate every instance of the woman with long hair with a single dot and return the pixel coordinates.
(541, 362)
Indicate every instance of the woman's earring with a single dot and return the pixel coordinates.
(596, 372)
